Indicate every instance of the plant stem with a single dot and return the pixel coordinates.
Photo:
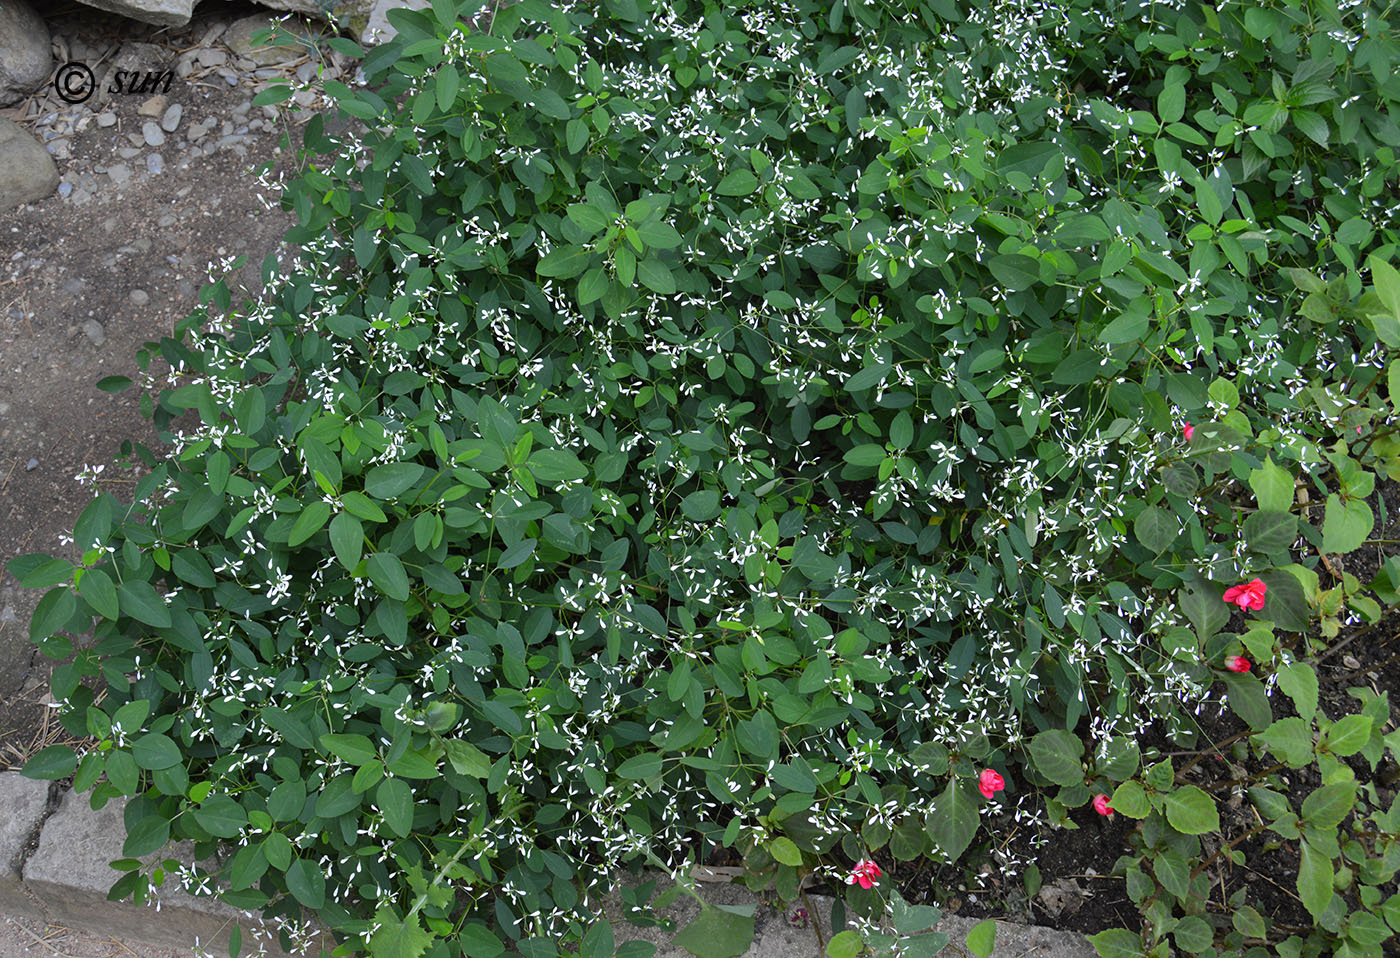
(1223, 849)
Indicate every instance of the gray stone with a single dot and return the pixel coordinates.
(152, 134)
(106, 118)
(165, 13)
(95, 332)
(139, 297)
(25, 52)
(120, 173)
(25, 803)
(71, 874)
(775, 936)
(27, 172)
(155, 163)
(361, 18)
(196, 132)
(239, 39)
(211, 58)
(171, 120)
(128, 152)
(32, 464)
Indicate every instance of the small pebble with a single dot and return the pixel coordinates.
(128, 152)
(152, 134)
(153, 107)
(306, 72)
(64, 189)
(31, 465)
(139, 297)
(106, 118)
(95, 332)
(171, 119)
(173, 260)
(120, 173)
(211, 58)
(167, 220)
(155, 163)
(196, 132)
(1351, 661)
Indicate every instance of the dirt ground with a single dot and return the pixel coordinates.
(133, 259)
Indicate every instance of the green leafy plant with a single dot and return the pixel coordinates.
(701, 424)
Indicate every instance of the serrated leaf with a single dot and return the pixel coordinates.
(1191, 811)
(1314, 883)
(1057, 755)
(398, 939)
(716, 933)
(1345, 526)
(1299, 682)
(953, 821)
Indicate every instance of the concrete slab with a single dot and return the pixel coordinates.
(776, 937)
(71, 873)
(25, 803)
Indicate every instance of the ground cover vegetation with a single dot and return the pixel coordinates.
(798, 428)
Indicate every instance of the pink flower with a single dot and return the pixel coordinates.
(1101, 805)
(1188, 431)
(865, 872)
(1237, 663)
(1358, 430)
(989, 783)
(1247, 596)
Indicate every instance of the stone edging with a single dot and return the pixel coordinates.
(55, 852)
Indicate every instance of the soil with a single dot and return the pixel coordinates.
(63, 264)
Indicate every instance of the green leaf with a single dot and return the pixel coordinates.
(656, 276)
(566, 262)
(395, 801)
(1314, 882)
(517, 554)
(388, 575)
(363, 507)
(1345, 525)
(597, 941)
(1130, 799)
(446, 85)
(1015, 271)
(1171, 103)
(784, 850)
(1193, 934)
(154, 751)
(953, 820)
(588, 218)
(866, 454)
(1156, 529)
(658, 234)
(1386, 281)
(221, 817)
(140, 601)
(737, 183)
(1270, 532)
(97, 589)
(1299, 682)
(1057, 755)
(1191, 811)
(389, 480)
(1117, 943)
(644, 766)
(148, 835)
(1327, 805)
(1248, 700)
(113, 384)
(355, 749)
(400, 939)
(467, 759)
(717, 933)
(312, 518)
(1348, 735)
(307, 883)
(347, 540)
(51, 763)
(982, 938)
(701, 505)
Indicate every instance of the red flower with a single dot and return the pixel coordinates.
(1237, 663)
(865, 872)
(1250, 595)
(1187, 431)
(1101, 805)
(989, 783)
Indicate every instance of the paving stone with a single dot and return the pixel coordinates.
(71, 873)
(25, 802)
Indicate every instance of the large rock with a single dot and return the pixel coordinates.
(165, 13)
(25, 53)
(25, 802)
(71, 873)
(239, 38)
(27, 172)
(366, 20)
